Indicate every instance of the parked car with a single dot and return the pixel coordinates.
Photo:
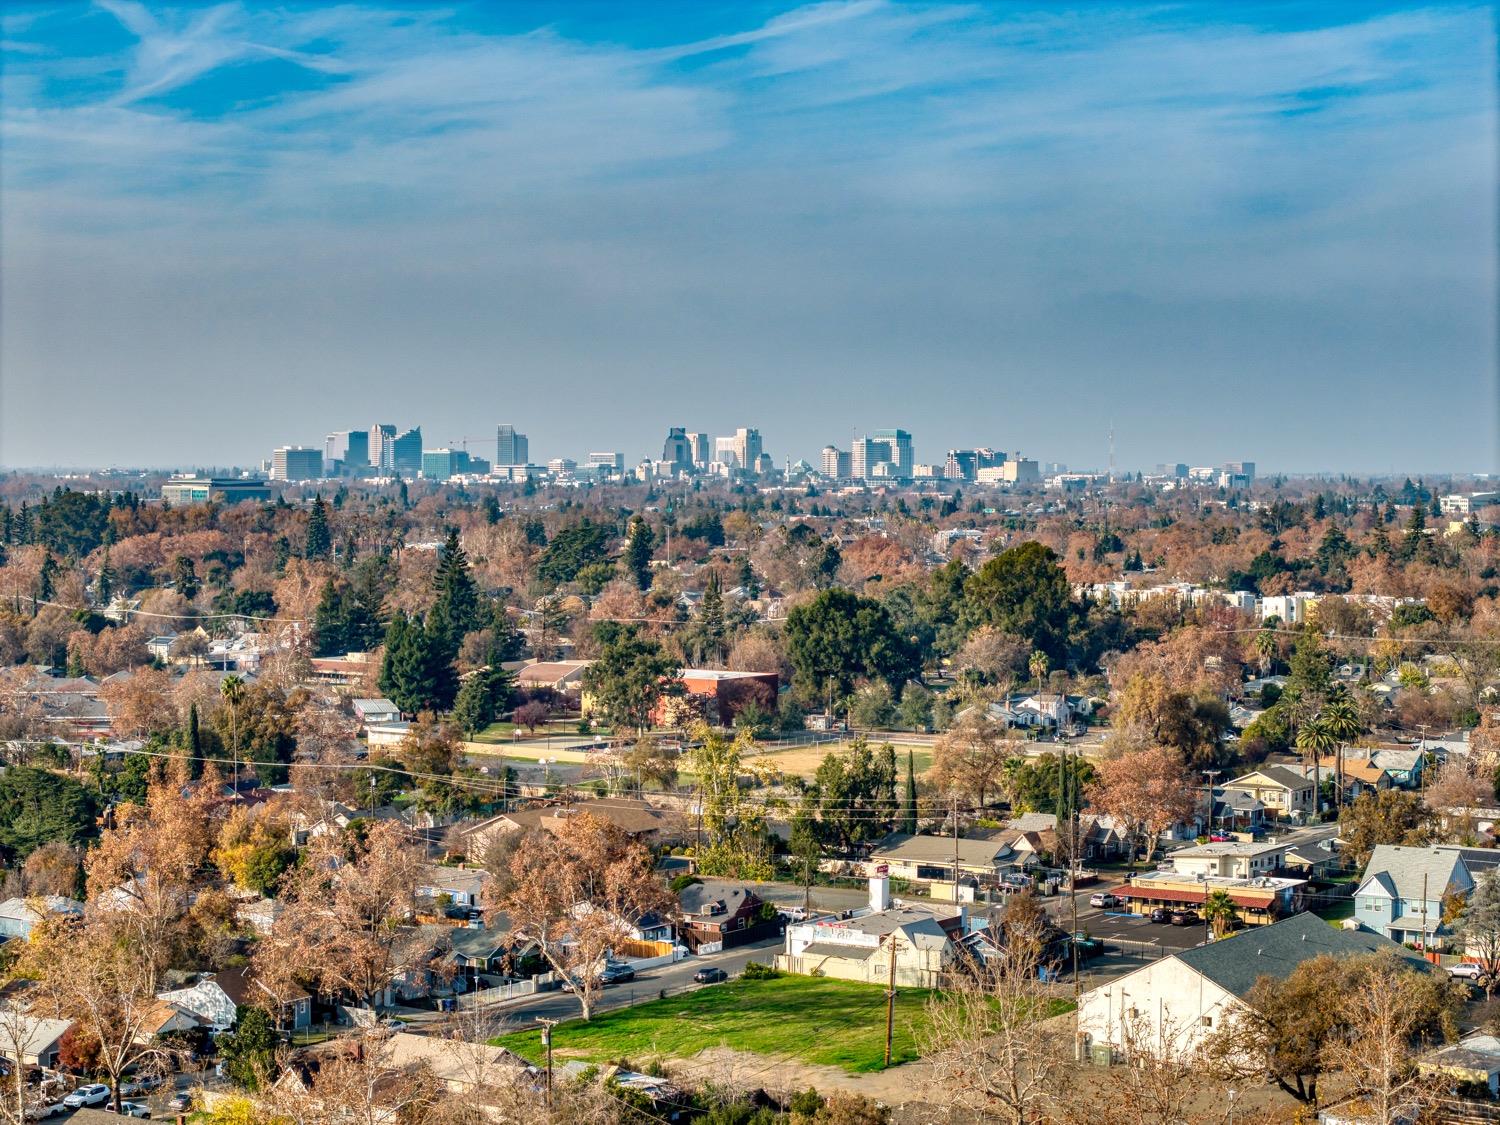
(1103, 898)
(140, 1085)
(391, 1024)
(1186, 918)
(41, 1112)
(1087, 946)
(180, 1102)
(711, 975)
(1467, 970)
(92, 1094)
(1220, 838)
(1160, 915)
(131, 1109)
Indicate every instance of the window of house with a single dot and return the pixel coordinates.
(1208, 1021)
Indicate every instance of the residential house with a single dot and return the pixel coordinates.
(1237, 810)
(1282, 790)
(715, 915)
(1404, 765)
(1229, 858)
(166, 1018)
(387, 735)
(1473, 1060)
(206, 1002)
(293, 1010)
(933, 859)
(1357, 775)
(637, 819)
(31, 1040)
(465, 887)
(1407, 892)
(1099, 840)
(376, 711)
(565, 677)
(487, 949)
(861, 946)
(1170, 1006)
(19, 916)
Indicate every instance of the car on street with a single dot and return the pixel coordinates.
(1103, 898)
(131, 1109)
(710, 975)
(180, 1102)
(1185, 918)
(92, 1094)
(1466, 970)
(1160, 915)
(41, 1112)
(391, 1024)
(618, 974)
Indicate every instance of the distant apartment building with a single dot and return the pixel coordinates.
(836, 463)
(677, 451)
(348, 450)
(297, 462)
(511, 447)
(1244, 469)
(1014, 470)
(700, 449)
(1468, 503)
(562, 465)
(1177, 470)
(180, 491)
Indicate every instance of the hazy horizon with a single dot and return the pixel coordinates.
(1231, 231)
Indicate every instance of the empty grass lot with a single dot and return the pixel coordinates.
(813, 1019)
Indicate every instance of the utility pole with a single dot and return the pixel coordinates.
(890, 997)
(955, 853)
(547, 1026)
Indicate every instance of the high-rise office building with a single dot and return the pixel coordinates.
(964, 464)
(511, 448)
(676, 451)
(747, 449)
(406, 453)
(1244, 469)
(727, 452)
(297, 462)
(613, 463)
(698, 444)
(865, 454)
(349, 447)
(440, 464)
(382, 449)
(835, 464)
(901, 456)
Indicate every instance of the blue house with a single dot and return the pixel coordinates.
(1405, 892)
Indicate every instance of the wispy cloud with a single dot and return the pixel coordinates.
(995, 196)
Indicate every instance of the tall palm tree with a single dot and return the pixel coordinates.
(1265, 647)
(232, 692)
(1314, 739)
(1037, 666)
(1344, 722)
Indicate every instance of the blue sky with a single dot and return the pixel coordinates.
(1231, 230)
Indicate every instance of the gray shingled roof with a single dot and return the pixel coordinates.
(1409, 871)
(1236, 963)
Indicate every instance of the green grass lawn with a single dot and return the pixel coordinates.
(1336, 912)
(814, 1019)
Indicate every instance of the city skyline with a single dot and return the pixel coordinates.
(1199, 228)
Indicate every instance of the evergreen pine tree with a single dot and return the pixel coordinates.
(909, 803)
(319, 537)
(747, 578)
(456, 610)
(474, 708)
(195, 737)
(349, 552)
(104, 585)
(438, 654)
(711, 618)
(406, 672)
(638, 548)
(329, 633)
(46, 578)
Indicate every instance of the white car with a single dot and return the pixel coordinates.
(131, 1109)
(391, 1024)
(1467, 970)
(92, 1094)
(1103, 898)
(41, 1112)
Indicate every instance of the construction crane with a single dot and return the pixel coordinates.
(463, 442)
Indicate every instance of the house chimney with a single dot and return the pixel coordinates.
(880, 889)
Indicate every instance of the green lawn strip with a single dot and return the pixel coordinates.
(1336, 912)
(814, 1019)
